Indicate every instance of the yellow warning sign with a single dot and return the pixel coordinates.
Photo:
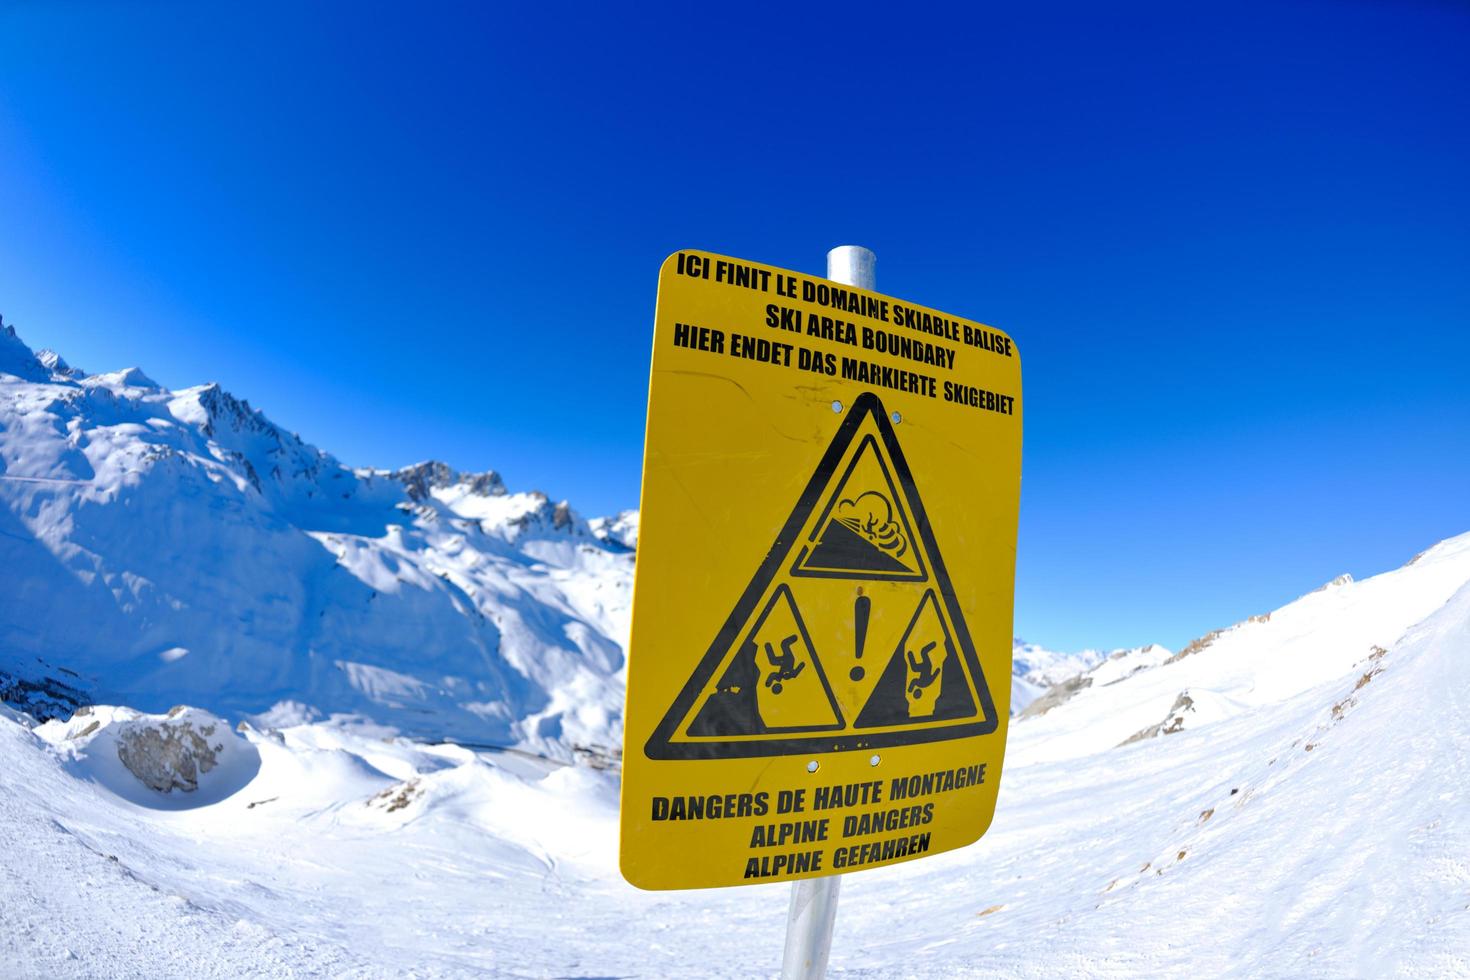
(819, 666)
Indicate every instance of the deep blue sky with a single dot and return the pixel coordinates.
(1233, 245)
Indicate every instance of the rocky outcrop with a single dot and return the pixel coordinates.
(1057, 695)
(1183, 705)
(421, 479)
(39, 693)
(169, 756)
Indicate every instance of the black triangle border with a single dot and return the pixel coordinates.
(660, 745)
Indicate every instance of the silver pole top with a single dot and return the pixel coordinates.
(853, 265)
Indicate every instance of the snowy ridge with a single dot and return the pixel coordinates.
(1263, 661)
(1035, 670)
(168, 547)
(622, 528)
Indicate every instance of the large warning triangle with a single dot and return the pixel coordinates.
(848, 635)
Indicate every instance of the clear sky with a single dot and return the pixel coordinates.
(1232, 244)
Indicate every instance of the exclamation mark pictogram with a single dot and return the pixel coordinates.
(860, 629)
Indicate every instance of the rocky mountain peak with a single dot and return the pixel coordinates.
(57, 365)
(422, 478)
(16, 358)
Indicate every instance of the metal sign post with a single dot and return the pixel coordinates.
(809, 927)
(814, 900)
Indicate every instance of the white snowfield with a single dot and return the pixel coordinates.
(1317, 827)
(1289, 799)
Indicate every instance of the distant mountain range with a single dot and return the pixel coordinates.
(165, 546)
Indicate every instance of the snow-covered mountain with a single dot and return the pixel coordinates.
(1037, 671)
(621, 528)
(161, 547)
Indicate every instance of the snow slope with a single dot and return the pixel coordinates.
(1263, 661)
(161, 547)
(1315, 827)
